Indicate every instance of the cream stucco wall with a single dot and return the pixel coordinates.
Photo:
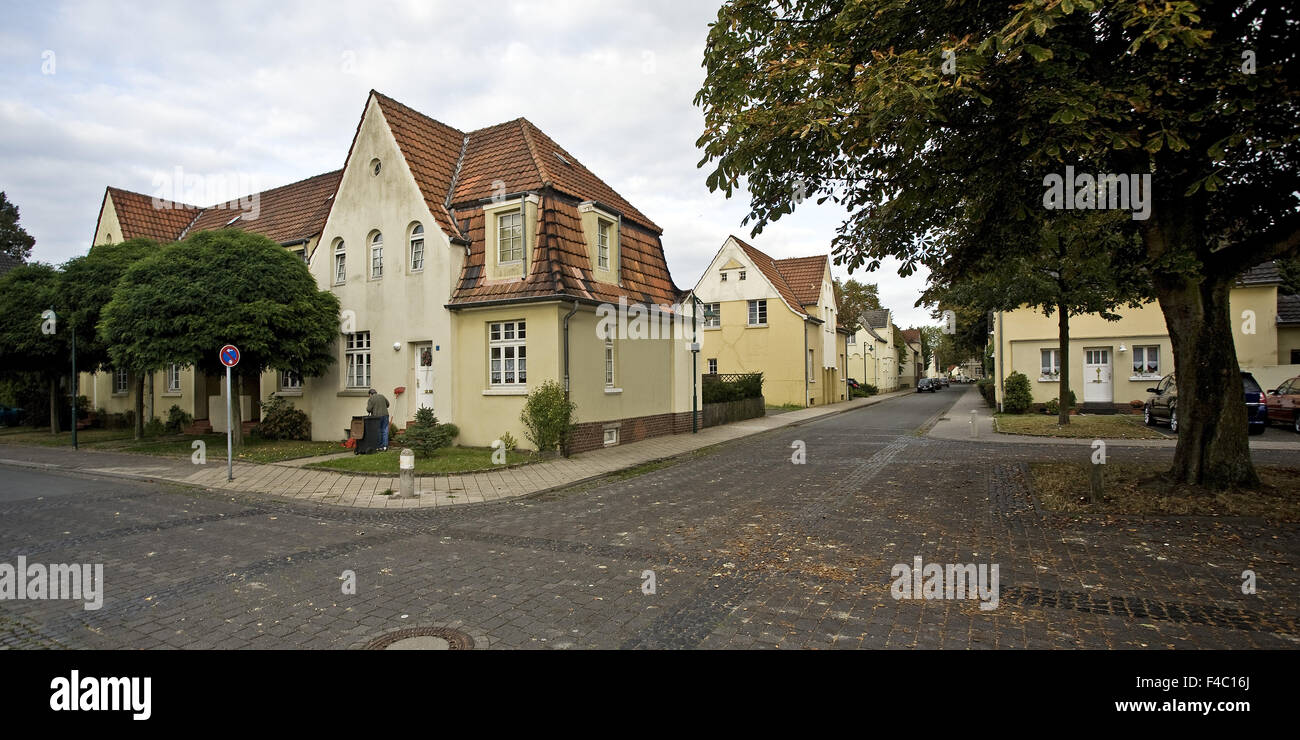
(404, 308)
(1021, 335)
(109, 228)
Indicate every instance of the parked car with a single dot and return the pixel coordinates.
(1162, 404)
(1282, 404)
(854, 384)
(943, 382)
(926, 384)
(9, 415)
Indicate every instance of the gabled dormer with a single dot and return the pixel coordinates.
(602, 227)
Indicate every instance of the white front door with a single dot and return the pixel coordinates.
(424, 376)
(1097, 376)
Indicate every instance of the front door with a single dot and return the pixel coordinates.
(424, 376)
(1097, 376)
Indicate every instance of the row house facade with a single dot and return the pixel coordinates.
(470, 266)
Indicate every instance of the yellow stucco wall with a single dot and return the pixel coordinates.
(1024, 333)
(1288, 341)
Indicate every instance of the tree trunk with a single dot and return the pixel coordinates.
(55, 427)
(1213, 449)
(139, 405)
(1063, 337)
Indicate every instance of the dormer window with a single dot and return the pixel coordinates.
(510, 237)
(602, 245)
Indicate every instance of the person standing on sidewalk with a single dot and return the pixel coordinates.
(378, 406)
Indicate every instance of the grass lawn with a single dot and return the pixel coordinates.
(1130, 488)
(445, 460)
(1086, 426)
(120, 440)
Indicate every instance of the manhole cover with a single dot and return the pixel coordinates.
(423, 638)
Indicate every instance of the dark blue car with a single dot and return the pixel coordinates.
(9, 416)
(1256, 407)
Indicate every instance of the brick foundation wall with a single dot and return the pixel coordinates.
(591, 435)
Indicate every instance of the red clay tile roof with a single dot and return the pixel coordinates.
(804, 276)
(285, 214)
(767, 266)
(560, 268)
(911, 336)
(433, 152)
(140, 218)
(449, 164)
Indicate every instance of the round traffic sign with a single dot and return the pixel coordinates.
(229, 355)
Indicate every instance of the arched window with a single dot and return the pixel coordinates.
(340, 261)
(377, 255)
(417, 247)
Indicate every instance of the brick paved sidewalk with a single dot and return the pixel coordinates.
(957, 421)
(290, 480)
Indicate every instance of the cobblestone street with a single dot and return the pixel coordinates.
(747, 550)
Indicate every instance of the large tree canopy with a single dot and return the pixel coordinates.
(32, 345)
(930, 122)
(182, 303)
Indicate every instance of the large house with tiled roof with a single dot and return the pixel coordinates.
(1112, 363)
(470, 266)
(775, 316)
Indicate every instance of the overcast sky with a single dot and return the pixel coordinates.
(263, 94)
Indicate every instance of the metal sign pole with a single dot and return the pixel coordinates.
(230, 464)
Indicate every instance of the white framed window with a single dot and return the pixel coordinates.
(812, 373)
(609, 363)
(852, 339)
(358, 359)
(758, 312)
(377, 255)
(611, 436)
(713, 365)
(121, 380)
(712, 315)
(602, 244)
(290, 381)
(724, 277)
(340, 261)
(173, 378)
(1146, 360)
(417, 247)
(510, 237)
(507, 353)
(742, 275)
(1050, 364)
(300, 254)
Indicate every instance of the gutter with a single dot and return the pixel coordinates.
(567, 316)
(804, 359)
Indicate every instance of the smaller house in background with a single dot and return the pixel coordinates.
(1114, 362)
(873, 360)
(777, 317)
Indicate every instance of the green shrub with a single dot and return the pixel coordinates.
(177, 419)
(1054, 405)
(426, 434)
(988, 390)
(1016, 396)
(508, 442)
(280, 420)
(749, 385)
(154, 427)
(549, 418)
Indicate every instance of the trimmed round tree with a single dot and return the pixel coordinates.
(184, 302)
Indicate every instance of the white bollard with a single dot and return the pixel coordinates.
(974, 425)
(406, 474)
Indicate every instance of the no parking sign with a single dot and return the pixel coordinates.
(229, 356)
